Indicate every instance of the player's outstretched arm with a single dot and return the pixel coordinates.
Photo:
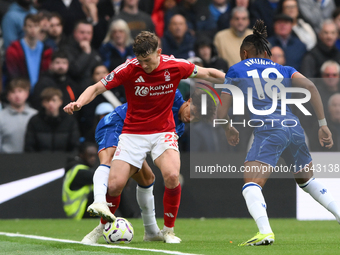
(325, 135)
(206, 73)
(86, 97)
(222, 113)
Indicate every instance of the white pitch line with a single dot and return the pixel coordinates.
(97, 245)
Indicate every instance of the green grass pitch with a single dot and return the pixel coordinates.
(199, 236)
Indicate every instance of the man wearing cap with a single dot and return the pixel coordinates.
(283, 37)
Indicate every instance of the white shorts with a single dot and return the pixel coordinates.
(134, 148)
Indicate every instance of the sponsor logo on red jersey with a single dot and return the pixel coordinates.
(154, 90)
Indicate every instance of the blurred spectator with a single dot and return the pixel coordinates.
(284, 37)
(217, 8)
(334, 119)
(136, 19)
(99, 21)
(56, 38)
(28, 57)
(265, 10)
(177, 40)
(14, 118)
(82, 57)
(4, 5)
(117, 45)
(87, 114)
(44, 24)
(78, 181)
(315, 12)
(224, 20)
(57, 77)
(71, 12)
(147, 5)
(117, 6)
(51, 129)
(158, 14)
(329, 85)
(228, 41)
(334, 108)
(13, 21)
(302, 29)
(333, 123)
(324, 50)
(1, 81)
(336, 19)
(278, 55)
(205, 49)
(199, 18)
(106, 9)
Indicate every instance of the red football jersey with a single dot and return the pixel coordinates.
(150, 96)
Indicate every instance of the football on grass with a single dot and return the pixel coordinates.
(120, 231)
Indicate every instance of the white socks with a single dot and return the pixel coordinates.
(320, 193)
(100, 180)
(146, 202)
(252, 193)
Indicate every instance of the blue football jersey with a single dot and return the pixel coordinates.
(178, 102)
(262, 75)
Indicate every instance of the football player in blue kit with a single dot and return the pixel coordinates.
(107, 135)
(276, 134)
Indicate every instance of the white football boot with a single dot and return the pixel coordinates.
(155, 237)
(101, 209)
(169, 235)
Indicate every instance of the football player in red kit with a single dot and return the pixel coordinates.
(150, 81)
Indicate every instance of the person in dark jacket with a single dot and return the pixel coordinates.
(78, 181)
(177, 40)
(83, 58)
(324, 50)
(198, 16)
(285, 38)
(51, 130)
(117, 45)
(57, 77)
(70, 13)
(205, 49)
(56, 38)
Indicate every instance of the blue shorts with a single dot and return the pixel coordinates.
(108, 131)
(288, 142)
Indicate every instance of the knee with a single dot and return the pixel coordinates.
(171, 180)
(115, 188)
(149, 179)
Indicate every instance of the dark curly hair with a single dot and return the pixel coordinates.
(196, 98)
(257, 41)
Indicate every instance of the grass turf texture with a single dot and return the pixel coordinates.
(208, 236)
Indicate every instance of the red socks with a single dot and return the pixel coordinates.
(115, 202)
(171, 201)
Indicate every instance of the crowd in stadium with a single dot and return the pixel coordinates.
(54, 49)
